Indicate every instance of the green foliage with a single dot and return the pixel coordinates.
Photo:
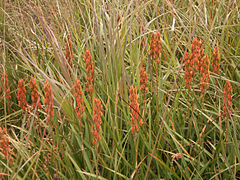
(33, 39)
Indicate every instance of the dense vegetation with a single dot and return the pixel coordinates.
(119, 89)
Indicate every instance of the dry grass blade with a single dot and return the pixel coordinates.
(57, 50)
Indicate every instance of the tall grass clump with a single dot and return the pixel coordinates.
(119, 89)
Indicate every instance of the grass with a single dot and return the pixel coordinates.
(33, 39)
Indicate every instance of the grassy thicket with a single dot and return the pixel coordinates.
(33, 37)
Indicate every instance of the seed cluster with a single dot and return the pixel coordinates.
(176, 156)
(48, 100)
(79, 106)
(155, 46)
(4, 144)
(227, 99)
(204, 72)
(143, 81)
(216, 59)
(90, 72)
(69, 52)
(134, 108)
(36, 104)
(197, 54)
(188, 64)
(22, 94)
(97, 120)
(195, 61)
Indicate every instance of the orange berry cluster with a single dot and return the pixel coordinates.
(155, 46)
(204, 72)
(6, 86)
(216, 59)
(134, 107)
(227, 99)
(143, 81)
(48, 100)
(97, 120)
(79, 107)
(69, 52)
(90, 71)
(4, 144)
(34, 94)
(22, 94)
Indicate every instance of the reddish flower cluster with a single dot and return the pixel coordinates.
(90, 71)
(204, 72)
(155, 46)
(97, 120)
(134, 107)
(4, 144)
(216, 59)
(48, 100)
(188, 64)
(176, 156)
(79, 107)
(197, 53)
(69, 52)
(34, 94)
(22, 95)
(227, 99)
(143, 81)
(192, 61)
(6, 86)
